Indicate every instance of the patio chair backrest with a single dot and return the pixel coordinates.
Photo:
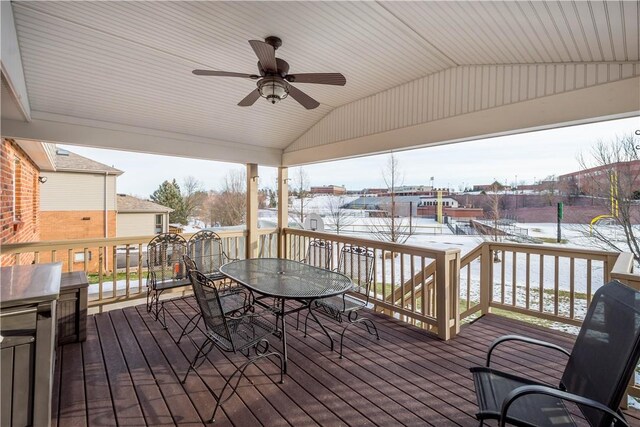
(606, 351)
(211, 308)
(319, 253)
(164, 257)
(189, 264)
(357, 262)
(205, 249)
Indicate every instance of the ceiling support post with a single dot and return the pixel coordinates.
(252, 211)
(283, 209)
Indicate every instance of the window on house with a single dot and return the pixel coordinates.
(79, 256)
(159, 227)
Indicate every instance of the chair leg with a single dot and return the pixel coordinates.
(306, 320)
(184, 332)
(366, 323)
(199, 353)
(240, 370)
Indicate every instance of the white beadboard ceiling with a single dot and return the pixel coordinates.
(129, 63)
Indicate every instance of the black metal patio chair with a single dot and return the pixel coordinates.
(319, 253)
(206, 249)
(356, 262)
(229, 334)
(235, 300)
(165, 269)
(595, 378)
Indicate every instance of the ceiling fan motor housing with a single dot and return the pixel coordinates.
(273, 88)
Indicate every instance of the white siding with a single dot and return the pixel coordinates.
(136, 224)
(69, 191)
(454, 92)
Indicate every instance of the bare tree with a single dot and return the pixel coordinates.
(300, 190)
(495, 204)
(613, 180)
(193, 196)
(550, 188)
(338, 216)
(228, 207)
(392, 227)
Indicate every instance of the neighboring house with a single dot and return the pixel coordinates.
(78, 200)
(138, 217)
(20, 169)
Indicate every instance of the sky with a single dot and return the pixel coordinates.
(529, 156)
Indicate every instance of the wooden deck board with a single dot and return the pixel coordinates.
(128, 372)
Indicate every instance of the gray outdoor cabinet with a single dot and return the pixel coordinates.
(72, 307)
(28, 295)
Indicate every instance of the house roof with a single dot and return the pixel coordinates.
(418, 74)
(126, 203)
(66, 161)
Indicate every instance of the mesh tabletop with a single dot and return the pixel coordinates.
(286, 279)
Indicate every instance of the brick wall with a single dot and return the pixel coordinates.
(19, 219)
(72, 225)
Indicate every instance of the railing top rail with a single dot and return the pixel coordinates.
(549, 250)
(13, 248)
(470, 256)
(395, 247)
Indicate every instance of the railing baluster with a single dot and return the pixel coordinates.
(402, 282)
(541, 285)
(588, 282)
(85, 260)
(572, 295)
(101, 258)
(140, 267)
(514, 291)
(528, 281)
(413, 284)
(556, 285)
(127, 271)
(502, 276)
(114, 271)
(70, 260)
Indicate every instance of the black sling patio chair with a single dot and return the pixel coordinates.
(595, 378)
(229, 334)
(356, 262)
(165, 270)
(235, 299)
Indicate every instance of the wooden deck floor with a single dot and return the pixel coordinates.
(127, 371)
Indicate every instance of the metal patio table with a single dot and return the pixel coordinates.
(284, 280)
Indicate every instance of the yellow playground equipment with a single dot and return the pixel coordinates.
(613, 195)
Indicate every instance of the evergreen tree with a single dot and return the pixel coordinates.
(168, 194)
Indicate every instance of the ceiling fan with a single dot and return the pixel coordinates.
(273, 80)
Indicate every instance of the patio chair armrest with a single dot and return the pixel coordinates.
(554, 392)
(527, 340)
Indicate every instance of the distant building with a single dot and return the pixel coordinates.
(428, 207)
(336, 190)
(596, 181)
(138, 217)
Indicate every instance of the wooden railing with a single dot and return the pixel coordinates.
(553, 284)
(416, 284)
(116, 266)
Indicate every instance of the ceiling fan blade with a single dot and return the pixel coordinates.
(223, 74)
(336, 79)
(250, 99)
(266, 55)
(305, 100)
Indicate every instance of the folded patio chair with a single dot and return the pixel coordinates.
(229, 334)
(356, 262)
(235, 300)
(595, 378)
(165, 269)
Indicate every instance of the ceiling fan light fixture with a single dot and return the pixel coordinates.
(273, 89)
